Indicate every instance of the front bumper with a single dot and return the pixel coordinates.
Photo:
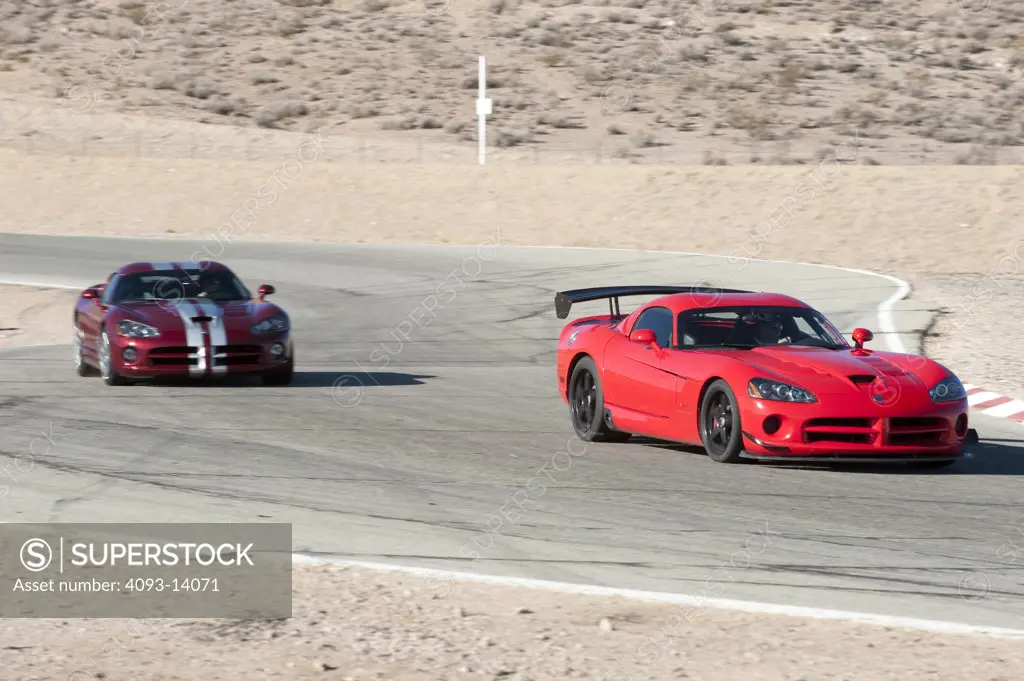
(835, 433)
(153, 358)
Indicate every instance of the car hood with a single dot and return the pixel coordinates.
(826, 372)
(236, 315)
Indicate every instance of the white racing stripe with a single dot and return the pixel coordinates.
(218, 334)
(193, 337)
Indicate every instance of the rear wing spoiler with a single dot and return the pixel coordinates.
(564, 300)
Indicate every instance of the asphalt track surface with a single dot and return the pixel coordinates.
(404, 450)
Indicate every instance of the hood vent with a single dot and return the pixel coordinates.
(202, 319)
(860, 379)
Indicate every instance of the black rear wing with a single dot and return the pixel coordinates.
(564, 300)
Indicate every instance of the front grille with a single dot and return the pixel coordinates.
(178, 361)
(173, 350)
(912, 431)
(238, 349)
(902, 431)
(233, 355)
(850, 431)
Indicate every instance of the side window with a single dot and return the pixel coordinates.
(658, 320)
(108, 290)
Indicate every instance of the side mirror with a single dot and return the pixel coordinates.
(861, 336)
(90, 294)
(644, 336)
(265, 290)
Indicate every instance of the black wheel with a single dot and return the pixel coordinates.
(586, 405)
(107, 371)
(281, 376)
(82, 368)
(720, 428)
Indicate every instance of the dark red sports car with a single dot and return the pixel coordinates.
(752, 376)
(192, 319)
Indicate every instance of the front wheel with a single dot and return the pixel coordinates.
(107, 371)
(281, 376)
(720, 428)
(82, 368)
(586, 405)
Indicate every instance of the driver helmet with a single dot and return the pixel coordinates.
(211, 282)
(767, 328)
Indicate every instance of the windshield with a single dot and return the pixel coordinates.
(171, 285)
(757, 326)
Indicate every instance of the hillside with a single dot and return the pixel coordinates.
(763, 81)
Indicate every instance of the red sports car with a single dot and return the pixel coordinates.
(752, 376)
(194, 319)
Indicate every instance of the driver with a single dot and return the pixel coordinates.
(767, 329)
(212, 285)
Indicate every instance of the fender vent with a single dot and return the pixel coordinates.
(862, 378)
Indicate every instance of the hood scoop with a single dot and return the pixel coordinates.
(202, 318)
(861, 379)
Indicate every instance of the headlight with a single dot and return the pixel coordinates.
(764, 389)
(949, 389)
(130, 329)
(271, 325)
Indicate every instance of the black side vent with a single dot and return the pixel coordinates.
(862, 378)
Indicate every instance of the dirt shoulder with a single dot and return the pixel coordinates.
(352, 624)
(35, 316)
(902, 220)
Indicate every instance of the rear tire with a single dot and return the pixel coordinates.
(281, 376)
(107, 371)
(721, 432)
(586, 405)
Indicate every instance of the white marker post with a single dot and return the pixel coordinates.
(483, 108)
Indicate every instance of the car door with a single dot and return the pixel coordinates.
(93, 318)
(636, 388)
(691, 366)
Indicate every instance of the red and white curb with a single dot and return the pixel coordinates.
(993, 404)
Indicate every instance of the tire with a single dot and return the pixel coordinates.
(586, 405)
(82, 368)
(281, 376)
(721, 432)
(107, 371)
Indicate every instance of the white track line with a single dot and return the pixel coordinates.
(36, 284)
(935, 626)
(883, 310)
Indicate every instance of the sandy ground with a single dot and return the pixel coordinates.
(955, 219)
(35, 316)
(366, 625)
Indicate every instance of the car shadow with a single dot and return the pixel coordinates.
(367, 379)
(995, 456)
(338, 381)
